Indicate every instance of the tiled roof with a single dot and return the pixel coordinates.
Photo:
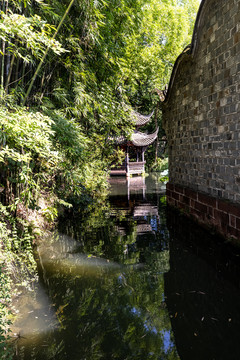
(141, 139)
(139, 119)
(138, 139)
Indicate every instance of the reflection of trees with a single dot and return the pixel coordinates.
(115, 230)
(107, 285)
(113, 316)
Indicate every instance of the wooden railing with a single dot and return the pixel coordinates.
(130, 168)
(136, 167)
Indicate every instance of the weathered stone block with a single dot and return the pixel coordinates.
(208, 200)
(222, 220)
(232, 221)
(238, 223)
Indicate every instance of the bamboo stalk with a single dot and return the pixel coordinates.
(46, 52)
(3, 58)
(16, 70)
(10, 73)
(4, 9)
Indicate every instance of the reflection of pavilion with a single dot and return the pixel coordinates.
(136, 184)
(141, 228)
(138, 221)
(145, 209)
(134, 205)
(127, 186)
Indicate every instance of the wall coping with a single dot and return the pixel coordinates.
(190, 50)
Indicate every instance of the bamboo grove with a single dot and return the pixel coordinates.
(67, 69)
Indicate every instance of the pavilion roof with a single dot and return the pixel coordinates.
(140, 119)
(141, 139)
(138, 138)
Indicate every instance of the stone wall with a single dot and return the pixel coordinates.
(201, 112)
(217, 214)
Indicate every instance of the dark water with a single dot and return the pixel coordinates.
(133, 281)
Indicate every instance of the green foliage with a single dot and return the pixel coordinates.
(163, 30)
(104, 55)
(5, 291)
(161, 165)
(17, 268)
(68, 138)
(5, 294)
(50, 213)
(27, 36)
(38, 153)
(26, 154)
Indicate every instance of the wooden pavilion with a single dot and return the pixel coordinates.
(135, 147)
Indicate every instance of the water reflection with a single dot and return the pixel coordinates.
(104, 274)
(36, 314)
(202, 292)
(128, 282)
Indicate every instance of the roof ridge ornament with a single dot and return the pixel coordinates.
(161, 93)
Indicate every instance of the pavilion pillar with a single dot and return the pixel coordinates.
(144, 189)
(143, 152)
(128, 187)
(127, 163)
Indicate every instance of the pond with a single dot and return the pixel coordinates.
(132, 280)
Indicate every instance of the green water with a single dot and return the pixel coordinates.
(132, 281)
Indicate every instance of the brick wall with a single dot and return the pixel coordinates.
(217, 214)
(201, 113)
